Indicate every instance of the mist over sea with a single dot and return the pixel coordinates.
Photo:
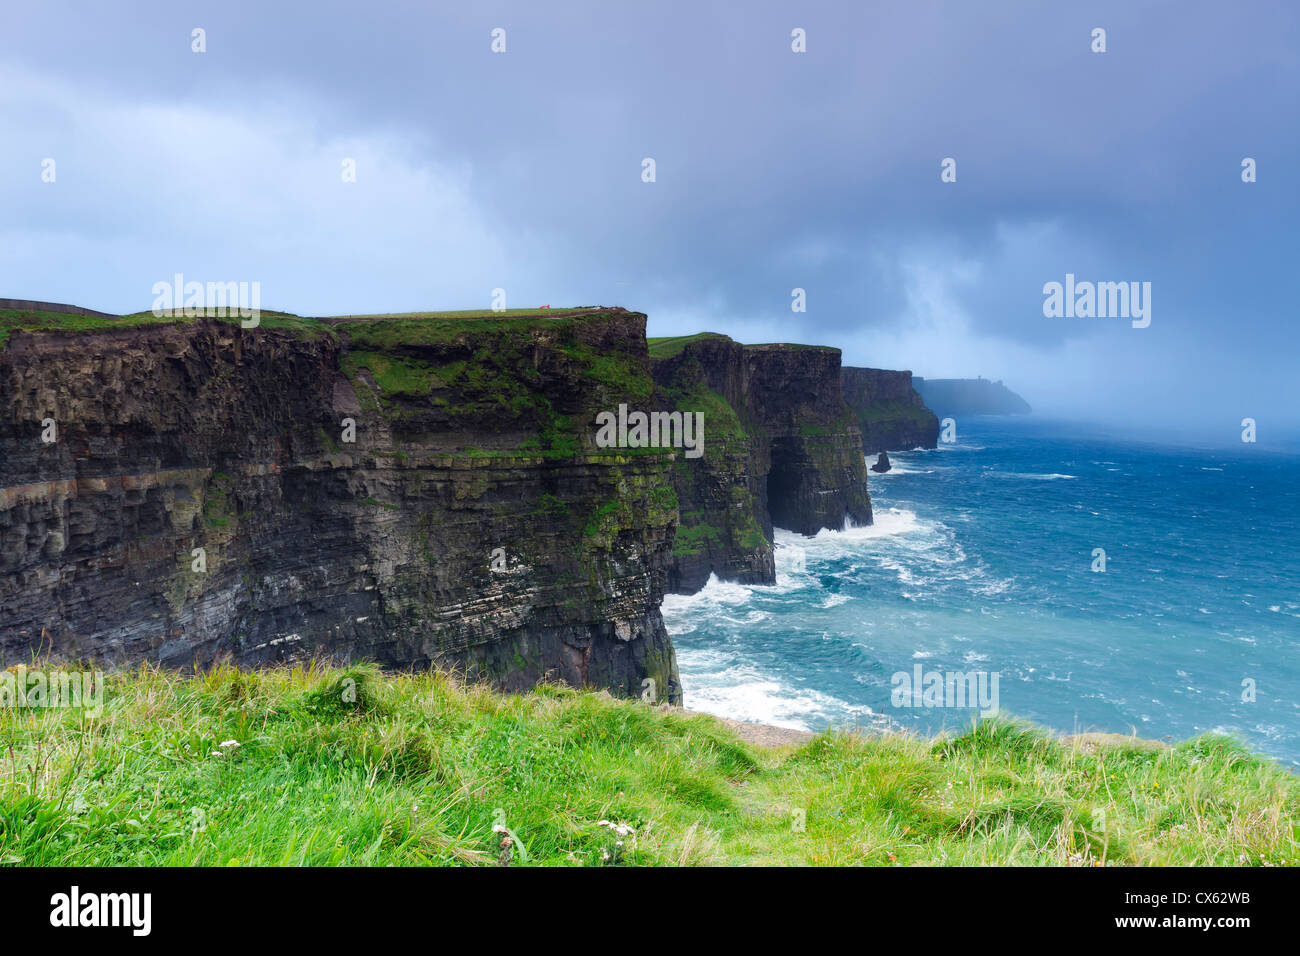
(980, 560)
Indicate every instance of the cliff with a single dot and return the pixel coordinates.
(970, 396)
(724, 526)
(783, 449)
(890, 412)
(473, 522)
(819, 472)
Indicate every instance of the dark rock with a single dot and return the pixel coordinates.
(471, 436)
(781, 449)
(889, 410)
(882, 463)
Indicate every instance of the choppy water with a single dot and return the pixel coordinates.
(980, 559)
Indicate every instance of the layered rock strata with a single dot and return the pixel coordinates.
(414, 492)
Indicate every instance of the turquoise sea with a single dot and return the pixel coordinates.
(980, 559)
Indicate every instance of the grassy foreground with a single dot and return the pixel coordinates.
(332, 766)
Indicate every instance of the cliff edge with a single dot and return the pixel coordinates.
(413, 491)
(970, 396)
(784, 450)
(890, 412)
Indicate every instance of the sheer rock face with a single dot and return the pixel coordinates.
(473, 523)
(890, 412)
(722, 495)
(819, 472)
(781, 449)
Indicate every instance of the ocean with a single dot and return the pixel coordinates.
(981, 559)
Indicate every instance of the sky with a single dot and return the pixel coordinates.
(775, 170)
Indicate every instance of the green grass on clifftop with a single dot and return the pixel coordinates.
(29, 320)
(419, 329)
(454, 314)
(474, 364)
(323, 767)
(668, 346)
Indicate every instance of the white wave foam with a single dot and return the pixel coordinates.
(713, 592)
(896, 470)
(684, 613)
(741, 693)
(890, 521)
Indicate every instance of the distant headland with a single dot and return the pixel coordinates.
(969, 396)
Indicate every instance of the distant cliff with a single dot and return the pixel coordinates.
(181, 490)
(783, 449)
(890, 412)
(970, 396)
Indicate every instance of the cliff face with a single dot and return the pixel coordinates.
(722, 496)
(970, 396)
(890, 412)
(819, 473)
(473, 522)
(781, 449)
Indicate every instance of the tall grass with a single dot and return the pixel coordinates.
(325, 766)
